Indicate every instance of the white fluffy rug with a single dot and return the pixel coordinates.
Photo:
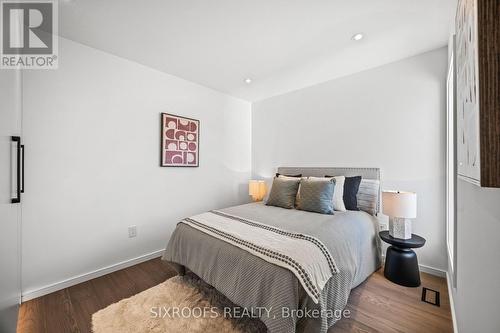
(147, 311)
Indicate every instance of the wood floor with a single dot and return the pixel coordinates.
(377, 305)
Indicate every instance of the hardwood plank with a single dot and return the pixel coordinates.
(123, 284)
(395, 314)
(407, 296)
(85, 302)
(31, 317)
(361, 321)
(158, 270)
(358, 322)
(141, 279)
(119, 286)
(381, 305)
(106, 290)
(59, 315)
(377, 305)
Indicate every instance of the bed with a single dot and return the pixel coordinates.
(253, 283)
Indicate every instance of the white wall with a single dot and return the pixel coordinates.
(477, 294)
(92, 162)
(392, 117)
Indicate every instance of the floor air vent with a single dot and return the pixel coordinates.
(430, 296)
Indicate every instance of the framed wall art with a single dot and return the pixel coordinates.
(477, 50)
(180, 139)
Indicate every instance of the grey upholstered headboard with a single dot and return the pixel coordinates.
(368, 173)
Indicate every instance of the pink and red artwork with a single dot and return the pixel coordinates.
(180, 138)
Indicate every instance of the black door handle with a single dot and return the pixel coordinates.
(22, 169)
(17, 199)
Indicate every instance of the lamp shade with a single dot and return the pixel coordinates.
(257, 189)
(399, 204)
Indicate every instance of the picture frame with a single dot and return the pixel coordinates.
(477, 50)
(180, 140)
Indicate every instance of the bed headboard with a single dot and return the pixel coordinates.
(368, 173)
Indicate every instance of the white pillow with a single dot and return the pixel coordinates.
(338, 193)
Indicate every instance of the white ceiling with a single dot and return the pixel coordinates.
(282, 45)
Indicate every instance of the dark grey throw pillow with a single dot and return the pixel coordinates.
(294, 176)
(351, 188)
(283, 192)
(316, 196)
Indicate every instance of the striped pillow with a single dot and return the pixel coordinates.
(368, 194)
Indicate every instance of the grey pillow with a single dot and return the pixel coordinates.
(283, 192)
(316, 195)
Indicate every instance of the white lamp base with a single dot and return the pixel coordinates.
(400, 227)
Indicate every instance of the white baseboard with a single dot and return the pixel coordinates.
(432, 271)
(31, 294)
(452, 303)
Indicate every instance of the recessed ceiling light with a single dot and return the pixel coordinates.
(357, 37)
(248, 80)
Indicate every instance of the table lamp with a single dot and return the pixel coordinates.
(257, 189)
(400, 207)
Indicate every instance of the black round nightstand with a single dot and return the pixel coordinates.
(401, 265)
